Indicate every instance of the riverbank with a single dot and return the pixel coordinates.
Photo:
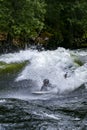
(45, 40)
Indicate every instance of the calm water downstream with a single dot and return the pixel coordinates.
(64, 108)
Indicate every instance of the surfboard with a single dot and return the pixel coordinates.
(40, 92)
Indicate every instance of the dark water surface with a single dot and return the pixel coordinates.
(60, 112)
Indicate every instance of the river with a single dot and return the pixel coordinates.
(22, 74)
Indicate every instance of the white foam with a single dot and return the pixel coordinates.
(51, 65)
(2, 100)
(17, 57)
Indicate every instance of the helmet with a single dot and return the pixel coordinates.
(46, 81)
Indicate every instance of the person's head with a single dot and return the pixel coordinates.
(46, 81)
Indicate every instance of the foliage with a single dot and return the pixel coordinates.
(65, 20)
(68, 19)
(21, 17)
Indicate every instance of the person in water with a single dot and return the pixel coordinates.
(46, 85)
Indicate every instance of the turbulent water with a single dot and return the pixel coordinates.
(63, 108)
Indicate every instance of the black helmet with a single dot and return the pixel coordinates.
(46, 81)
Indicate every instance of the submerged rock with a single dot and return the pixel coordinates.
(11, 67)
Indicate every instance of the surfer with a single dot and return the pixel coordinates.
(46, 85)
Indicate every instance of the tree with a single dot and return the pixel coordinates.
(21, 17)
(67, 20)
(73, 22)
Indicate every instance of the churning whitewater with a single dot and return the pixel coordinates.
(52, 65)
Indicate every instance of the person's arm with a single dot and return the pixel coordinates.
(51, 86)
(42, 88)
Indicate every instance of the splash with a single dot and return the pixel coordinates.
(52, 65)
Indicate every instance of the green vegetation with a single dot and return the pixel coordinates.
(21, 18)
(65, 21)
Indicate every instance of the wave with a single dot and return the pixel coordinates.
(52, 65)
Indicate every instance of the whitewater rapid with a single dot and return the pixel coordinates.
(52, 65)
